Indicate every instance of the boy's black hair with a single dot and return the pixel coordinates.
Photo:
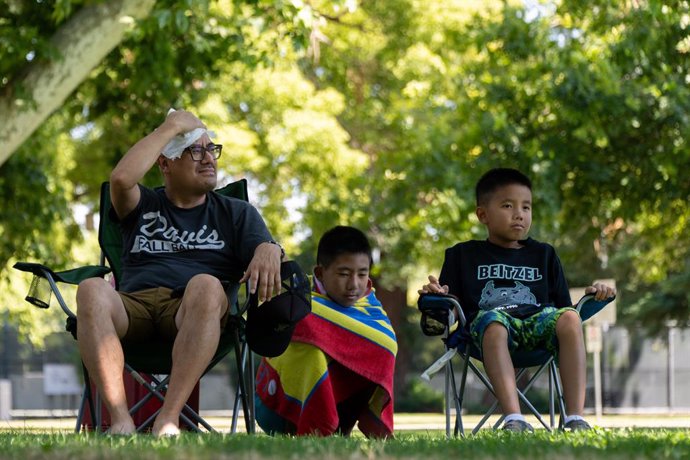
(342, 240)
(498, 177)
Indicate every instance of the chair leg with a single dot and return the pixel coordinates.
(552, 404)
(238, 389)
(235, 410)
(158, 385)
(555, 389)
(195, 418)
(250, 420)
(530, 383)
(241, 358)
(559, 395)
(520, 393)
(148, 422)
(188, 415)
(521, 396)
(449, 392)
(89, 396)
(459, 396)
(80, 413)
(480, 375)
(533, 410)
(99, 412)
(155, 391)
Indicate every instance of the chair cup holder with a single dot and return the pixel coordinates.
(40, 292)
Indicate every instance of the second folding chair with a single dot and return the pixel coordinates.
(438, 311)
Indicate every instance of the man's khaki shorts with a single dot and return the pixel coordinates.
(151, 314)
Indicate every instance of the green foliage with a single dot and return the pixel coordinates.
(34, 197)
(25, 31)
(419, 397)
(383, 115)
(294, 137)
(593, 106)
(168, 60)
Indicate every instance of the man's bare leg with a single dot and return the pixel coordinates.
(102, 321)
(198, 322)
(499, 367)
(571, 360)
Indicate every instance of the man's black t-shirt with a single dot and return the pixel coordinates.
(485, 276)
(164, 246)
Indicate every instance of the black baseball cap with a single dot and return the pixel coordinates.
(271, 324)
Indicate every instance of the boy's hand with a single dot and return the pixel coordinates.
(433, 287)
(600, 291)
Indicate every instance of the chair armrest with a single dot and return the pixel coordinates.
(73, 276)
(588, 306)
(44, 283)
(432, 303)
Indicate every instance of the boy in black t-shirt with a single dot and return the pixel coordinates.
(511, 269)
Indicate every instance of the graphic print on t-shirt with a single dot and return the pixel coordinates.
(508, 272)
(156, 235)
(496, 296)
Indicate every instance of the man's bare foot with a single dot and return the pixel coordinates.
(123, 428)
(165, 429)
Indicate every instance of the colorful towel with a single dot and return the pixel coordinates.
(337, 354)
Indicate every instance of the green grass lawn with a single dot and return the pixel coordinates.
(609, 444)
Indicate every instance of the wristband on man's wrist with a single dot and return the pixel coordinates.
(282, 251)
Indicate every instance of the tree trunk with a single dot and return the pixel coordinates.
(84, 41)
(394, 301)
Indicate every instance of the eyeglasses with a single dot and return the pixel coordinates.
(198, 152)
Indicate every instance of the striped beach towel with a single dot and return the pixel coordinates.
(338, 370)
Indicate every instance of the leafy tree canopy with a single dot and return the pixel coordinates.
(383, 115)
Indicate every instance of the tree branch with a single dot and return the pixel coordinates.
(84, 41)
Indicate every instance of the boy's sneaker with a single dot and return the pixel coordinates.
(577, 425)
(518, 426)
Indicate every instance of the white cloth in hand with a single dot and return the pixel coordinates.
(176, 146)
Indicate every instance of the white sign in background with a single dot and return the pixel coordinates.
(60, 379)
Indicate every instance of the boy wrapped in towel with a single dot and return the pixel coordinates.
(338, 369)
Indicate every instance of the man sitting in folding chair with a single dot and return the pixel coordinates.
(514, 295)
(181, 238)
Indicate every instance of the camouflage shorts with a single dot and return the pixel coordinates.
(533, 333)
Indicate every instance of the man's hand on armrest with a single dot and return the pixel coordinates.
(264, 271)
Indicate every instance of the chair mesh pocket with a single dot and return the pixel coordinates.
(434, 322)
(39, 292)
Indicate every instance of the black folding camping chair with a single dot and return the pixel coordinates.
(438, 309)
